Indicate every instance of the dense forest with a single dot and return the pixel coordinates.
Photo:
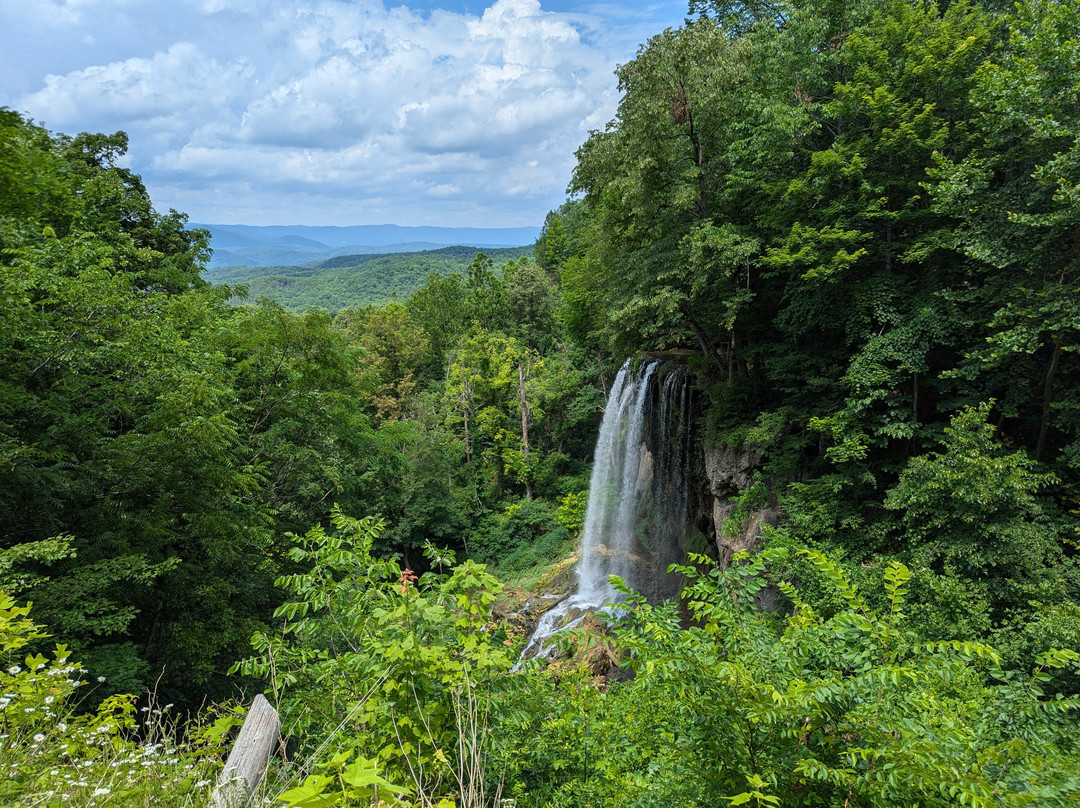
(861, 223)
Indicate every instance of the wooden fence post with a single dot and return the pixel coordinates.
(253, 749)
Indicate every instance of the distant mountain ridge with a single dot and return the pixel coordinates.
(292, 245)
(358, 279)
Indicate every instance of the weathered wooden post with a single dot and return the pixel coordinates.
(246, 765)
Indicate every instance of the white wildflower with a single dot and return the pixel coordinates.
(14, 669)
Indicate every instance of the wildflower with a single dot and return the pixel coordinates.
(28, 709)
(62, 726)
(14, 669)
(4, 702)
(39, 737)
(50, 699)
(100, 678)
(100, 791)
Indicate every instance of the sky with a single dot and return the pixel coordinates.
(332, 112)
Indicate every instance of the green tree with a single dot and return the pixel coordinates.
(1015, 200)
(394, 351)
(974, 507)
(813, 706)
(439, 308)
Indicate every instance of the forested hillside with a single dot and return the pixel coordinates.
(861, 224)
(353, 280)
(291, 245)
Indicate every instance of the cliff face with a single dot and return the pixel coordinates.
(729, 472)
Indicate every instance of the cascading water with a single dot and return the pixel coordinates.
(607, 536)
(638, 511)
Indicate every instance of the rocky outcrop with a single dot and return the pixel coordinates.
(744, 537)
(729, 472)
(520, 610)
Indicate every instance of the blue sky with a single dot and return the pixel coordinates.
(332, 111)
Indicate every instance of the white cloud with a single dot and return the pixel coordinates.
(341, 107)
(179, 80)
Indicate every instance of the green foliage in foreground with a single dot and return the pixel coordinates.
(51, 755)
(801, 709)
(373, 661)
(397, 691)
(834, 700)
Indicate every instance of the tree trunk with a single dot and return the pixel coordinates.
(706, 344)
(1047, 392)
(468, 443)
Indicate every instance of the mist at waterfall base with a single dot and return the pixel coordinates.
(638, 515)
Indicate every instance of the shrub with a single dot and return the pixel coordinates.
(50, 755)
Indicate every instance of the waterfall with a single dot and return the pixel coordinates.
(638, 510)
(610, 518)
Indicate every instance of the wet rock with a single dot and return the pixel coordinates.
(560, 579)
(645, 472)
(521, 610)
(592, 651)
